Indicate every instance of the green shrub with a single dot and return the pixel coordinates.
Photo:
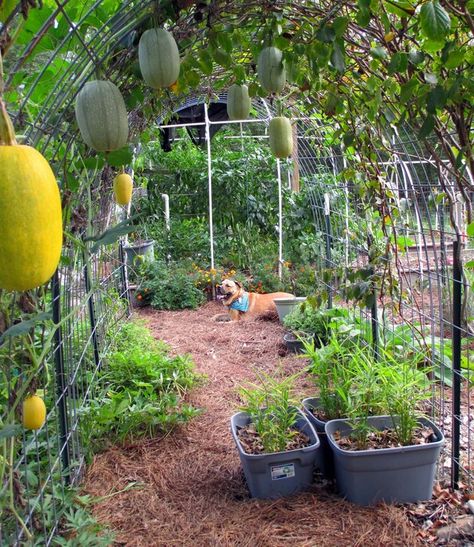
(142, 389)
(313, 320)
(168, 287)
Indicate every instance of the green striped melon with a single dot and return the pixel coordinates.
(281, 137)
(158, 56)
(238, 102)
(102, 116)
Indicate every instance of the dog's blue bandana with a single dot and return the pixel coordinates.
(241, 304)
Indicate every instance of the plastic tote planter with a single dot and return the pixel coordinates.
(294, 343)
(280, 473)
(403, 474)
(285, 305)
(324, 460)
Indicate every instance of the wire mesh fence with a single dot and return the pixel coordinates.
(87, 303)
(396, 261)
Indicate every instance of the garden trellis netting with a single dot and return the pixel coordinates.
(390, 179)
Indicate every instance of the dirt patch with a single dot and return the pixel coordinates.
(188, 488)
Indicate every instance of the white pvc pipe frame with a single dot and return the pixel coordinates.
(207, 123)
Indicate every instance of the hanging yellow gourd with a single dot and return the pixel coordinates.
(31, 230)
(34, 412)
(123, 187)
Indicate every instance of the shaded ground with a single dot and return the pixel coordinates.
(189, 486)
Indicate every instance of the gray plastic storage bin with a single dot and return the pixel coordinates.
(281, 473)
(324, 461)
(403, 474)
(285, 305)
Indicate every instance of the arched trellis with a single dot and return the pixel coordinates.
(407, 167)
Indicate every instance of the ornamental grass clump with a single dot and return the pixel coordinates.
(355, 384)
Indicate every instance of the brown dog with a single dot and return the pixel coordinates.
(242, 304)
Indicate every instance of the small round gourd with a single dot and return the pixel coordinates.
(281, 137)
(31, 229)
(123, 187)
(238, 102)
(271, 70)
(34, 412)
(158, 56)
(102, 116)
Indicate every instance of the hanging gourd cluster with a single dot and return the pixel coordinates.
(102, 116)
(30, 203)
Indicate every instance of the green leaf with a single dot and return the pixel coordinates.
(193, 78)
(427, 127)
(469, 265)
(340, 26)
(94, 163)
(363, 17)
(432, 46)
(221, 57)
(10, 430)
(25, 326)
(112, 234)
(455, 58)
(407, 90)
(402, 8)
(378, 52)
(434, 20)
(436, 99)
(117, 158)
(240, 74)
(416, 57)
(225, 41)
(205, 62)
(348, 138)
(470, 229)
(326, 34)
(398, 63)
(337, 57)
(6, 8)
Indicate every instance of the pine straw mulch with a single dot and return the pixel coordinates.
(188, 488)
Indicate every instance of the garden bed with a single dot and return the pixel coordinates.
(188, 488)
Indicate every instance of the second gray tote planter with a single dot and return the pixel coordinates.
(403, 474)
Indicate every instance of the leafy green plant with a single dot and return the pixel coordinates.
(143, 390)
(330, 370)
(168, 287)
(272, 409)
(308, 317)
(405, 388)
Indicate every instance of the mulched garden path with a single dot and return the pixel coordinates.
(187, 489)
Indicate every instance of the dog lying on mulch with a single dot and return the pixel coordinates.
(242, 304)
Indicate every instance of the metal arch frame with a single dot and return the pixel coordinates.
(61, 96)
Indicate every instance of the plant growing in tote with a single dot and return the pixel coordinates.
(405, 388)
(330, 370)
(272, 409)
(308, 317)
